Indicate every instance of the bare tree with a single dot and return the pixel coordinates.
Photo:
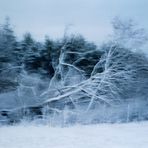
(129, 34)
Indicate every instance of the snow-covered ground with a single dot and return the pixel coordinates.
(131, 135)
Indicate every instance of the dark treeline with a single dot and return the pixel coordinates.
(105, 83)
(38, 57)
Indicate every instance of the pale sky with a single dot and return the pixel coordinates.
(91, 18)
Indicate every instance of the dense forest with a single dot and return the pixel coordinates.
(71, 80)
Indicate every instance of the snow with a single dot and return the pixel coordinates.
(127, 135)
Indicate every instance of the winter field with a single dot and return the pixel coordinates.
(130, 135)
(77, 84)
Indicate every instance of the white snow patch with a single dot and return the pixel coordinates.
(130, 135)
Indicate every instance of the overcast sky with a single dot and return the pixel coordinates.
(91, 18)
